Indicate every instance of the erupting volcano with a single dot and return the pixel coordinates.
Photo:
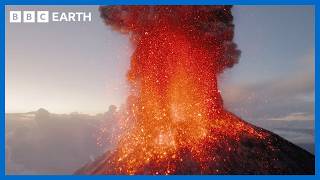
(175, 122)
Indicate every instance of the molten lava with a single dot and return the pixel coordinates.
(175, 122)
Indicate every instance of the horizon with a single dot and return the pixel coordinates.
(90, 75)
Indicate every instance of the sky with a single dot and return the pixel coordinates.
(81, 67)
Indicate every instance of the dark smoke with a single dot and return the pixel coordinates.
(210, 26)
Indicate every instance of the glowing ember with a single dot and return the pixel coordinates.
(175, 121)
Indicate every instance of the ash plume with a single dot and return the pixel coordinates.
(210, 26)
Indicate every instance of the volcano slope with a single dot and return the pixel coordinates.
(252, 150)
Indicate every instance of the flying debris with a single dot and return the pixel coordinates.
(175, 122)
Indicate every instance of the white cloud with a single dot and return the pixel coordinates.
(302, 116)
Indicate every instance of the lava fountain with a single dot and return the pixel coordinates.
(175, 122)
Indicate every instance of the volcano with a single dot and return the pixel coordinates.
(174, 121)
(255, 151)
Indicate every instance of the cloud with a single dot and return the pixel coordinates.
(280, 97)
(299, 116)
(44, 143)
(283, 105)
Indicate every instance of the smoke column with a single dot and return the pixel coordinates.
(175, 116)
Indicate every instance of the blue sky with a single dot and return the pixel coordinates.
(67, 67)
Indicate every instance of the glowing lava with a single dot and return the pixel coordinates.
(175, 122)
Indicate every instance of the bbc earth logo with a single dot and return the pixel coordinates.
(46, 17)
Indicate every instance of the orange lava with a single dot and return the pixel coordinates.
(175, 112)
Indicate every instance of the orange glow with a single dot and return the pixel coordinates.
(175, 116)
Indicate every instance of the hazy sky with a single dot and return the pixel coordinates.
(66, 67)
